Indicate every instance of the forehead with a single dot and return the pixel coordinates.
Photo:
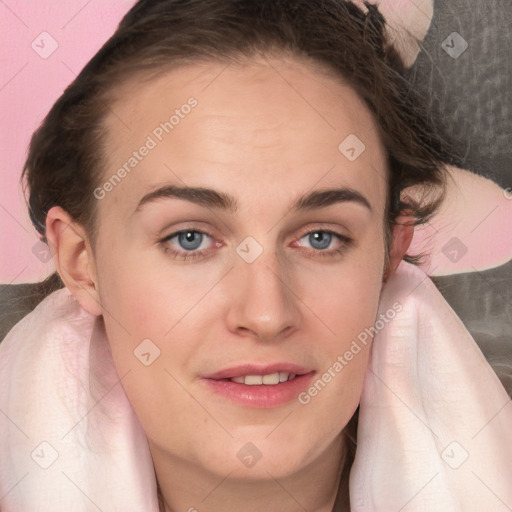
(267, 130)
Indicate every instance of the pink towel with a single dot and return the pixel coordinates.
(435, 428)
(69, 439)
(435, 424)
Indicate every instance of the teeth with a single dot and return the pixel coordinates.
(253, 380)
(273, 378)
(270, 380)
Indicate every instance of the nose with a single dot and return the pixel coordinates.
(263, 304)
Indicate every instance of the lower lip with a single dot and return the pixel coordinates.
(261, 396)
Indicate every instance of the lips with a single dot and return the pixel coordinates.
(257, 386)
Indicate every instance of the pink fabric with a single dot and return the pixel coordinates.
(69, 439)
(59, 386)
(435, 427)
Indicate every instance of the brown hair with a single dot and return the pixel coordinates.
(66, 157)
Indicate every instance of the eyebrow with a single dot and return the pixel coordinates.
(214, 199)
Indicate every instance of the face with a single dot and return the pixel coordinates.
(255, 274)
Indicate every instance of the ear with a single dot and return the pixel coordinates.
(73, 258)
(403, 232)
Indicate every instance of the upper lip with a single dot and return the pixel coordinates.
(254, 369)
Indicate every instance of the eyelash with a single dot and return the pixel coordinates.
(192, 255)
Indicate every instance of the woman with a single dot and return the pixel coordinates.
(222, 188)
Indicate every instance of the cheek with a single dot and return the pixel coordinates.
(345, 296)
(142, 301)
(345, 300)
(137, 297)
(130, 307)
(139, 306)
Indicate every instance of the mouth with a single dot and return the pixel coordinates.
(256, 386)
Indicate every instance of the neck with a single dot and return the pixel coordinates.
(185, 487)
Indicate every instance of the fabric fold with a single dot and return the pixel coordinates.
(69, 439)
(435, 422)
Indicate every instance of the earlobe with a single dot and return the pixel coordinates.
(403, 233)
(73, 258)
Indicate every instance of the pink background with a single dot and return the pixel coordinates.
(29, 85)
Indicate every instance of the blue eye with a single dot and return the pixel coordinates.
(319, 239)
(190, 240)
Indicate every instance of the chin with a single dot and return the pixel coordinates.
(261, 454)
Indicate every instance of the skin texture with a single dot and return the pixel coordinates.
(265, 132)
